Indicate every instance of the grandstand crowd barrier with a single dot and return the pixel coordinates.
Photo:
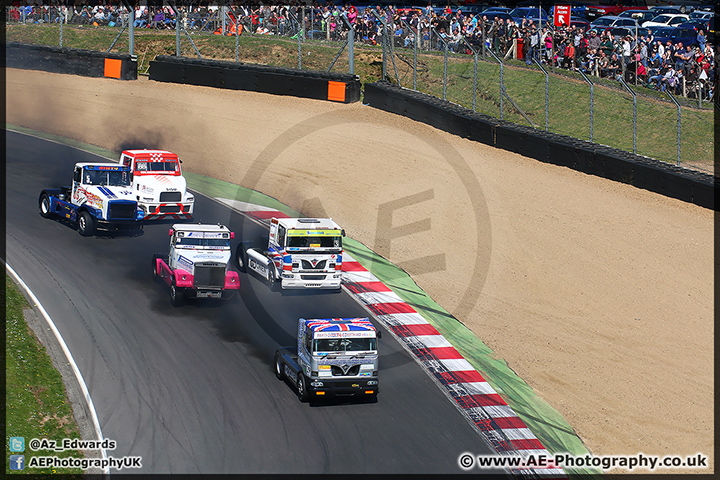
(591, 158)
(74, 61)
(337, 87)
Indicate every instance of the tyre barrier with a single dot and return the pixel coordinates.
(591, 158)
(336, 87)
(74, 61)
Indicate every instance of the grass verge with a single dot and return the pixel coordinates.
(35, 399)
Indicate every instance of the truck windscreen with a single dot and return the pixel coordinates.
(315, 242)
(156, 166)
(203, 242)
(325, 345)
(104, 177)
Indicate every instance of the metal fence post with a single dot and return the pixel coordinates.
(445, 60)
(592, 101)
(177, 33)
(502, 84)
(679, 118)
(351, 46)
(131, 28)
(475, 57)
(417, 35)
(547, 95)
(634, 114)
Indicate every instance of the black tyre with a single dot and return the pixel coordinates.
(45, 206)
(241, 259)
(176, 295)
(302, 391)
(86, 224)
(279, 367)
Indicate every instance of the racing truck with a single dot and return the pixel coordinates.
(100, 198)
(158, 183)
(197, 265)
(300, 253)
(334, 357)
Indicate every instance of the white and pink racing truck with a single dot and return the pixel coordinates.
(198, 264)
(159, 186)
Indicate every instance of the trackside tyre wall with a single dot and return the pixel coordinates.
(75, 61)
(337, 87)
(591, 158)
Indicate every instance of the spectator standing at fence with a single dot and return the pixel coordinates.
(606, 45)
(701, 39)
(626, 50)
(569, 55)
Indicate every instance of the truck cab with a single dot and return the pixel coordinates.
(300, 253)
(99, 198)
(333, 357)
(158, 183)
(197, 265)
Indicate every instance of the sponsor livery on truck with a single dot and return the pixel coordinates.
(198, 263)
(100, 198)
(158, 183)
(333, 357)
(300, 253)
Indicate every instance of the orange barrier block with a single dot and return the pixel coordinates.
(336, 91)
(113, 67)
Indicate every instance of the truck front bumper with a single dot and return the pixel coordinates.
(325, 387)
(177, 211)
(330, 280)
(119, 225)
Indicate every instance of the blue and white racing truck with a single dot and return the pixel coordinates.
(100, 198)
(334, 356)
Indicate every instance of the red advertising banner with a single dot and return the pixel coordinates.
(562, 15)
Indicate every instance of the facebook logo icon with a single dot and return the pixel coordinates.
(17, 462)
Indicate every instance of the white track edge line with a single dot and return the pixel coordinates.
(68, 355)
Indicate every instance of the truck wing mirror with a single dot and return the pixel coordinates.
(342, 232)
(232, 235)
(170, 232)
(378, 334)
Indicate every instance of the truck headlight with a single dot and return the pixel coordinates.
(372, 382)
(316, 384)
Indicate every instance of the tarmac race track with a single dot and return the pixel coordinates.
(191, 389)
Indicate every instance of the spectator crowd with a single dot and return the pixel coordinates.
(680, 69)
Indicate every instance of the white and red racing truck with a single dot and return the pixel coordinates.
(198, 264)
(158, 183)
(300, 253)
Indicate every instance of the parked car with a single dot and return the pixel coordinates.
(688, 36)
(639, 16)
(686, 6)
(529, 13)
(613, 21)
(667, 19)
(701, 15)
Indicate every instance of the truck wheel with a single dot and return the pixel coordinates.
(155, 271)
(45, 206)
(86, 224)
(241, 258)
(176, 295)
(279, 367)
(302, 388)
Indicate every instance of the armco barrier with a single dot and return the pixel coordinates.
(336, 87)
(87, 63)
(591, 158)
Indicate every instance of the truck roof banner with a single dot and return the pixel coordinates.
(314, 233)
